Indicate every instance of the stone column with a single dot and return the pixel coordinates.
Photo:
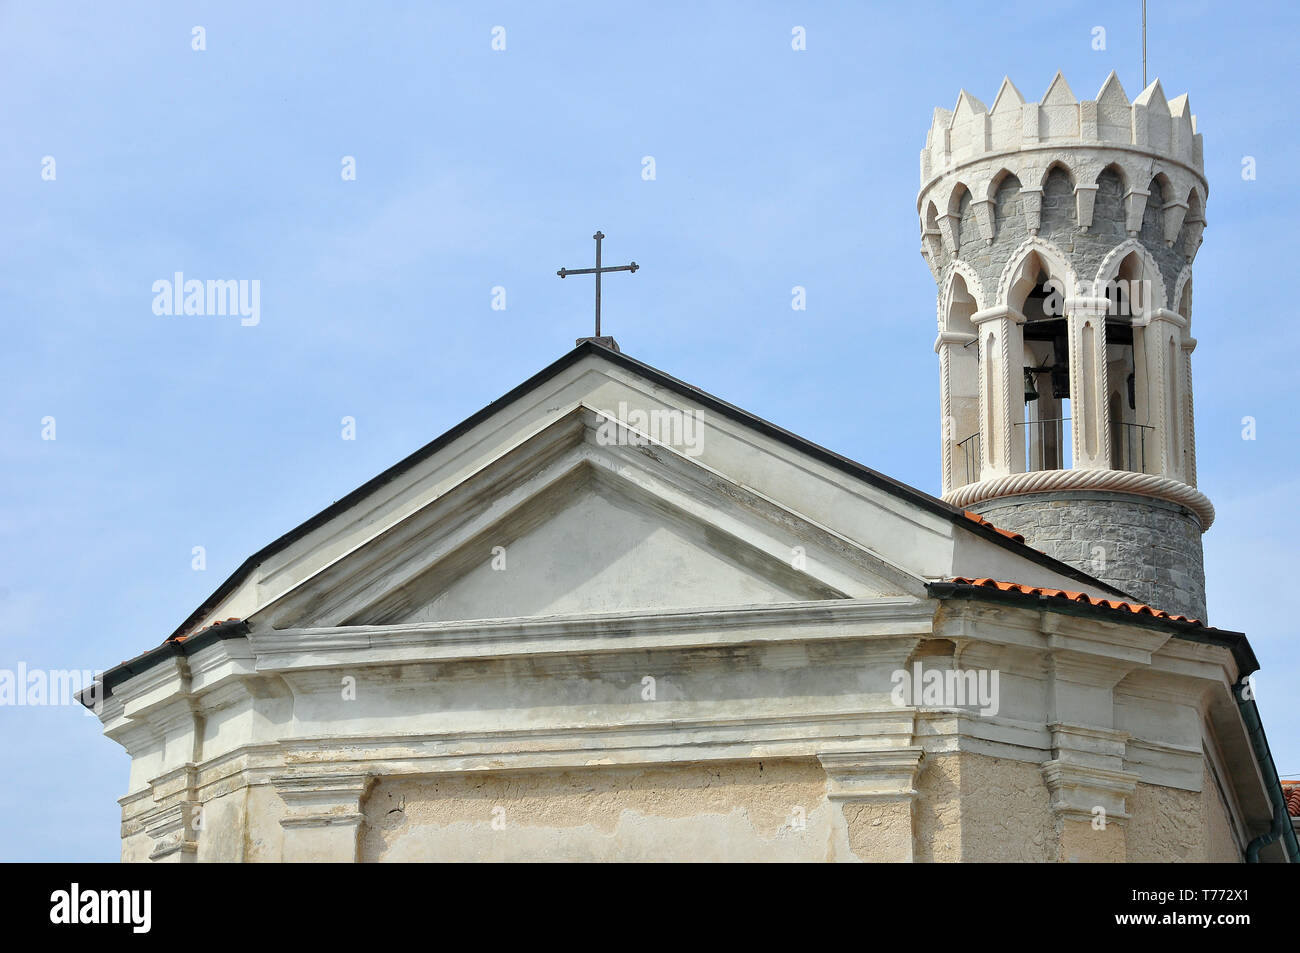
(1089, 407)
(874, 792)
(1001, 375)
(956, 350)
(1163, 362)
(323, 817)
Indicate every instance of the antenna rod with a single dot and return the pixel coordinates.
(1144, 44)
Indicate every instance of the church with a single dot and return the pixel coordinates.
(612, 617)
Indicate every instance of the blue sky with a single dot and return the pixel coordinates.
(479, 168)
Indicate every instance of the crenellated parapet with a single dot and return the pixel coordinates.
(1147, 150)
(1149, 124)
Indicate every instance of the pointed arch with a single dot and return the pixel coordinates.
(1118, 169)
(1058, 164)
(1183, 287)
(1109, 270)
(1189, 237)
(1048, 256)
(1159, 192)
(1108, 210)
(1059, 214)
(959, 190)
(974, 288)
(995, 183)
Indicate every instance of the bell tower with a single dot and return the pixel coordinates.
(1061, 235)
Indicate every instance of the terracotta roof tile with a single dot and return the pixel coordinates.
(1136, 608)
(190, 635)
(1291, 789)
(976, 518)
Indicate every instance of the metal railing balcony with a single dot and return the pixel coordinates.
(1132, 451)
(970, 448)
(1045, 443)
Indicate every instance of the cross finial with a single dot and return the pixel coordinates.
(598, 271)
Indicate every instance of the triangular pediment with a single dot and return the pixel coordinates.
(596, 548)
(761, 514)
(587, 516)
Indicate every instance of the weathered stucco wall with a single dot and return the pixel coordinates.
(976, 808)
(1173, 826)
(938, 812)
(1167, 826)
(1223, 846)
(968, 807)
(222, 828)
(735, 811)
(136, 848)
(264, 838)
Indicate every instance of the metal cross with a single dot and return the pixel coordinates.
(597, 271)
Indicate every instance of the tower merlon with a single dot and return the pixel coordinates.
(1149, 124)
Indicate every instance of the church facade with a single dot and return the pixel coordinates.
(612, 617)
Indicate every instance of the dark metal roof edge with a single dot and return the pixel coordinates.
(1236, 642)
(858, 470)
(172, 647)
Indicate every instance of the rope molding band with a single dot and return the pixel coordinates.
(1123, 481)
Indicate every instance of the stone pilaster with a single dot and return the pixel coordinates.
(174, 825)
(1090, 792)
(175, 840)
(323, 817)
(1085, 776)
(874, 792)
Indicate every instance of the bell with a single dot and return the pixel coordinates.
(1031, 391)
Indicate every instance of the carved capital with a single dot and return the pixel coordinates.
(323, 817)
(885, 775)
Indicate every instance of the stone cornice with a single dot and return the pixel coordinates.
(280, 650)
